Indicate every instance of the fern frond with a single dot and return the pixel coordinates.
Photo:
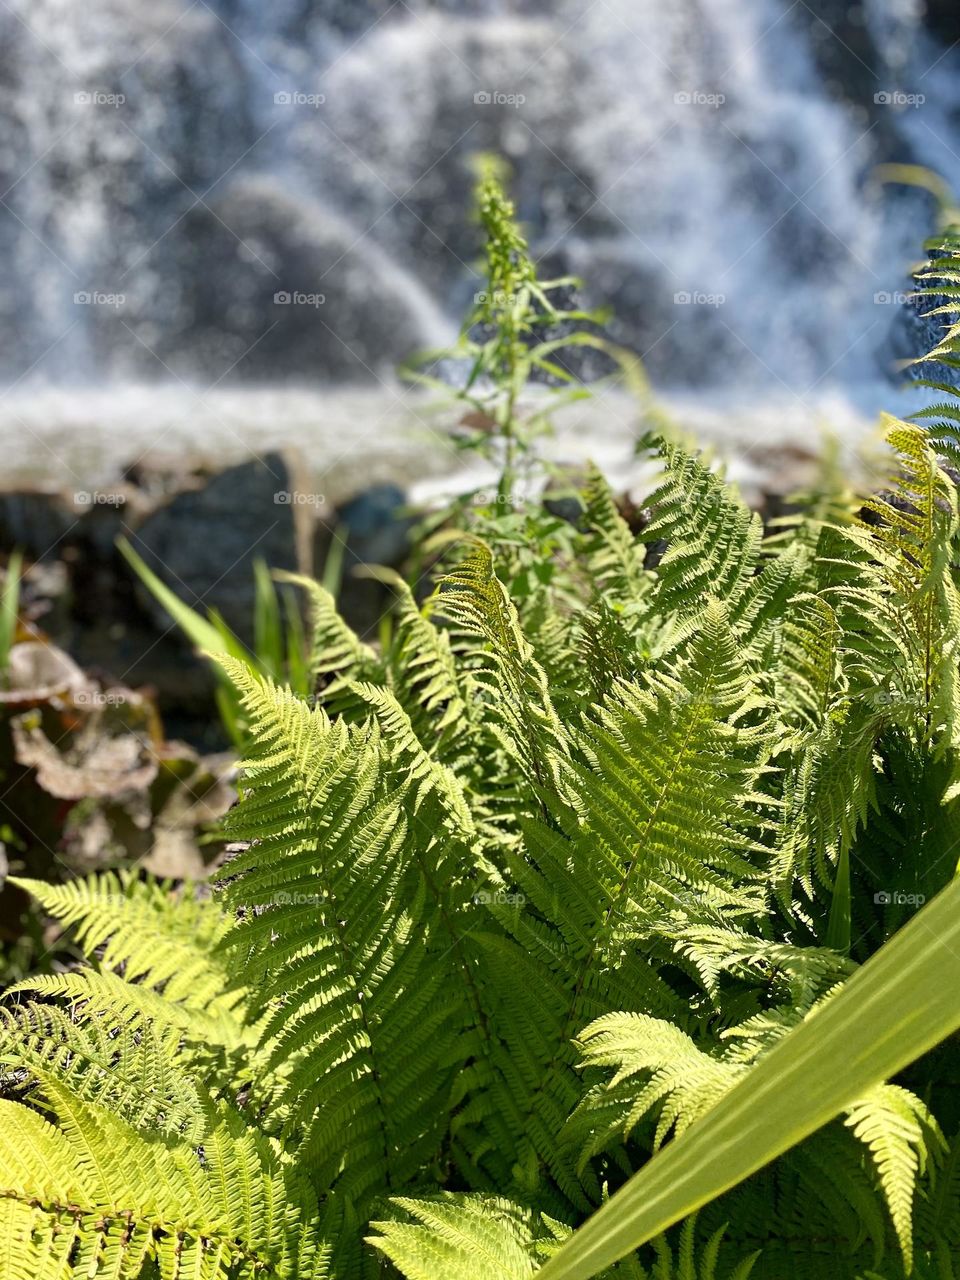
(900, 1134)
(95, 1198)
(359, 1025)
(713, 540)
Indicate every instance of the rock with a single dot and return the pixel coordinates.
(943, 19)
(376, 531)
(376, 526)
(270, 287)
(107, 514)
(38, 521)
(159, 475)
(203, 543)
(562, 497)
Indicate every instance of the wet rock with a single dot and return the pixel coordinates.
(203, 543)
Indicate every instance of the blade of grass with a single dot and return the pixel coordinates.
(9, 603)
(900, 1004)
(204, 634)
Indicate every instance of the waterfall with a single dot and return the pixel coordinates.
(237, 192)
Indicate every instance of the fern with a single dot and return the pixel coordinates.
(519, 893)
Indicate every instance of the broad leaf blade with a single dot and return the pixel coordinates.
(902, 1002)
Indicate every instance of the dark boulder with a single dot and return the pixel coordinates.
(204, 542)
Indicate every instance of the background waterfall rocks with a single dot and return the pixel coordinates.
(167, 170)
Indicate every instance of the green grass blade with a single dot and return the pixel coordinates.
(198, 630)
(9, 602)
(904, 1000)
(267, 623)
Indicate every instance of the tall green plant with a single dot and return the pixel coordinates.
(582, 876)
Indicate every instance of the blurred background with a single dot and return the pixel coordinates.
(224, 222)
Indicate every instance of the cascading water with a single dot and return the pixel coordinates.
(227, 192)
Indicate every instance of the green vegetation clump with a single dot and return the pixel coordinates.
(587, 855)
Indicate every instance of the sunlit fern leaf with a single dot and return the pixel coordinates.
(521, 710)
(358, 1019)
(336, 652)
(806, 670)
(474, 1237)
(679, 1081)
(829, 788)
(425, 774)
(655, 1069)
(142, 929)
(904, 607)
(135, 1071)
(612, 556)
(456, 1237)
(662, 801)
(134, 1004)
(938, 297)
(96, 1199)
(793, 973)
(713, 540)
(423, 674)
(900, 1133)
